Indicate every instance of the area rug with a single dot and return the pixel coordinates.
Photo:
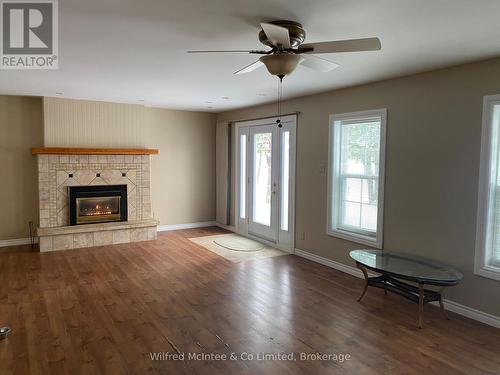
(238, 243)
(212, 243)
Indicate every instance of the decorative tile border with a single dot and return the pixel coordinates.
(57, 172)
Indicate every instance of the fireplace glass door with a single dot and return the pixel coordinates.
(97, 210)
(97, 204)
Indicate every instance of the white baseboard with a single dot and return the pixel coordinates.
(230, 228)
(329, 263)
(169, 227)
(17, 242)
(471, 313)
(452, 306)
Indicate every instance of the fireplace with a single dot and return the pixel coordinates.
(97, 204)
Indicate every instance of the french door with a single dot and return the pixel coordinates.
(265, 184)
(262, 182)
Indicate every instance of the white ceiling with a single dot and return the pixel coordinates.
(131, 50)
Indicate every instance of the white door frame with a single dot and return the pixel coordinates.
(286, 239)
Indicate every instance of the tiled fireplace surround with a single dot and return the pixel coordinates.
(57, 172)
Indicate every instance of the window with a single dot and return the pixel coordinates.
(243, 174)
(356, 176)
(487, 262)
(285, 179)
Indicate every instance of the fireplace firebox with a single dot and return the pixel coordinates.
(97, 204)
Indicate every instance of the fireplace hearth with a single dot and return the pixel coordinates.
(97, 204)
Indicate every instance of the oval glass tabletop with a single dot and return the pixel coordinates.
(407, 267)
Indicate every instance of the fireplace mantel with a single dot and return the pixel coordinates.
(92, 151)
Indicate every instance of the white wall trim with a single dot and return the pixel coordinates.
(230, 228)
(333, 198)
(488, 170)
(17, 242)
(452, 306)
(286, 239)
(471, 313)
(169, 227)
(353, 271)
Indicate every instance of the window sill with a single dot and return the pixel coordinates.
(491, 272)
(357, 238)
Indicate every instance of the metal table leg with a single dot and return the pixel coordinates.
(420, 305)
(366, 280)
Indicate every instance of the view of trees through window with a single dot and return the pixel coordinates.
(359, 169)
(262, 178)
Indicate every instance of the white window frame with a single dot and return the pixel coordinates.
(333, 202)
(489, 143)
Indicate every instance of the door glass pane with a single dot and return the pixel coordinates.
(262, 185)
(243, 175)
(285, 179)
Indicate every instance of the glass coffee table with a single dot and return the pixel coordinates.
(395, 269)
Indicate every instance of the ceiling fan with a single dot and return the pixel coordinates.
(285, 38)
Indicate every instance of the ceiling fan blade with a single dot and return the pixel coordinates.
(276, 34)
(250, 68)
(317, 63)
(233, 51)
(350, 45)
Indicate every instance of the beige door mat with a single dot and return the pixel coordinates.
(212, 243)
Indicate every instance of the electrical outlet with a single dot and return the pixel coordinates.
(322, 169)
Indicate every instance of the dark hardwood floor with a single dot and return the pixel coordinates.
(104, 310)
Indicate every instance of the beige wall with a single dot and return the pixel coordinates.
(20, 129)
(183, 174)
(432, 167)
(222, 166)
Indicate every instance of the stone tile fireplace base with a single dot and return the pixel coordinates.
(60, 169)
(89, 235)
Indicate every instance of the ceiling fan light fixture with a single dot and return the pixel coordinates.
(281, 64)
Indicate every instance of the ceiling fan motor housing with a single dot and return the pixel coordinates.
(295, 30)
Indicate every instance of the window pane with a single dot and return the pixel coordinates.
(262, 178)
(370, 191)
(285, 179)
(359, 150)
(494, 257)
(369, 217)
(243, 175)
(353, 189)
(351, 215)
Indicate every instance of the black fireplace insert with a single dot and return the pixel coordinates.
(97, 204)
